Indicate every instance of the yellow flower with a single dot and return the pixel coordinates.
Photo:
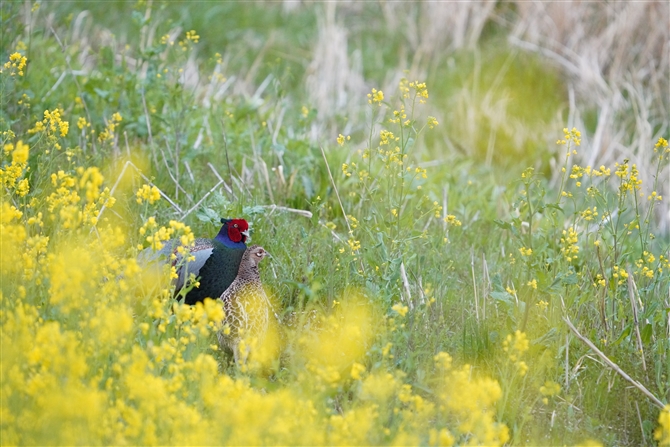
(400, 309)
(148, 193)
(376, 97)
(356, 370)
(516, 343)
(16, 61)
(662, 143)
(20, 153)
(542, 305)
(569, 246)
(192, 36)
(662, 433)
(525, 251)
(81, 123)
(550, 388)
(442, 438)
(451, 220)
(443, 360)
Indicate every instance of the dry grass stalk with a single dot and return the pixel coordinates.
(655, 400)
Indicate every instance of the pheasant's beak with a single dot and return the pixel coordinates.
(246, 233)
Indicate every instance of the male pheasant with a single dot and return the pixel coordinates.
(246, 306)
(216, 260)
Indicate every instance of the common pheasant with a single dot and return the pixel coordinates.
(246, 306)
(216, 260)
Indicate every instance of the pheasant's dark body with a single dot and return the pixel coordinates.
(245, 304)
(217, 273)
(216, 261)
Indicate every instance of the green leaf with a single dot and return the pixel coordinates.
(502, 296)
(308, 186)
(251, 210)
(646, 333)
(502, 224)
(624, 334)
(207, 214)
(101, 93)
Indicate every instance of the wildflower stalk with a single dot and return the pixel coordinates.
(650, 210)
(564, 172)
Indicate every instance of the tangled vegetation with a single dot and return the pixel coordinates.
(428, 304)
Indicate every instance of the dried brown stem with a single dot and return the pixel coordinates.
(655, 400)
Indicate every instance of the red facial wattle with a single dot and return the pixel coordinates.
(236, 230)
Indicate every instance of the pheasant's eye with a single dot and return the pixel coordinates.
(259, 254)
(235, 225)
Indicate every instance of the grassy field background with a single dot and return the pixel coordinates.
(466, 205)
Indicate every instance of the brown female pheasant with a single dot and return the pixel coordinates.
(246, 306)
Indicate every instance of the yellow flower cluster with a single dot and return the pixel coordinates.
(420, 89)
(647, 270)
(52, 123)
(629, 179)
(451, 220)
(400, 309)
(573, 136)
(191, 38)
(156, 235)
(471, 400)
(391, 157)
(569, 247)
(579, 172)
(148, 193)
(526, 251)
(82, 123)
(376, 97)
(662, 145)
(108, 132)
(619, 274)
(589, 213)
(400, 116)
(662, 432)
(354, 245)
(549, 389)
(655, 196)
(16, 64)
(345, 169)
(341, 139)
(386, 137)
(11, 173)
(357, 371)
(421, 171)
(515, 346)
(65, 203)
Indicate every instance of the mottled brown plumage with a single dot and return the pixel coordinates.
(246, 306)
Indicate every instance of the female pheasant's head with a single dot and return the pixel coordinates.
(237, 230)
(253, 256)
